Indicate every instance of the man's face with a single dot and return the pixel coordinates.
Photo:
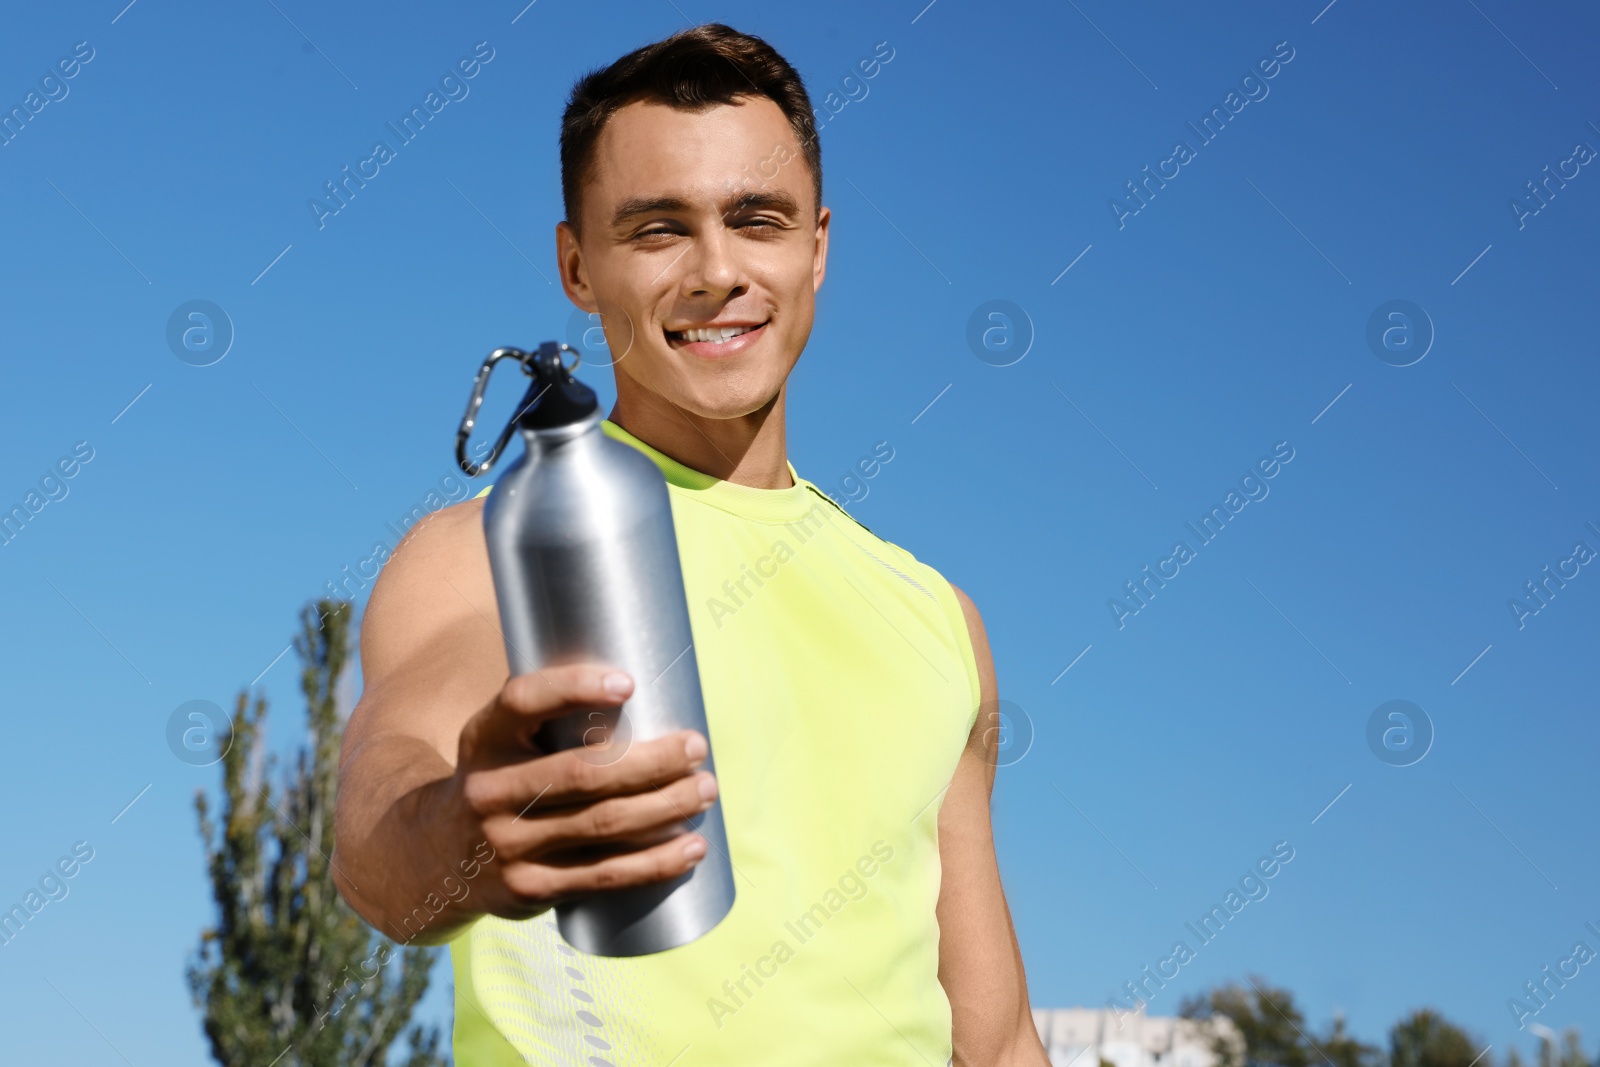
(697, 221)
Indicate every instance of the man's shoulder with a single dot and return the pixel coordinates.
(827, 505)
(924, 577)
(445, 528)
(444, 545)
(965, 620)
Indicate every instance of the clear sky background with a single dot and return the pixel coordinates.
(1230, 313)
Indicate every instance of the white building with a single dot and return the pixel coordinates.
(1082, 1037)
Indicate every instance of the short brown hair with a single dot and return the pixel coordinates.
(692, 70)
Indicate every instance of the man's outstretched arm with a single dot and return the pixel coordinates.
(980, 965)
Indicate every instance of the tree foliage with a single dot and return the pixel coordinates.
(1569, 1053)
(1427, 1039)
(1342, 1049)
(289, 975)
(1272, 1026)
(1276, 1035)
(1275, 1030)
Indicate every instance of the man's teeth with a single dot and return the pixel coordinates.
(720, 333)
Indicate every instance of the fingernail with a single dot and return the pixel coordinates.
(616, 683)
(695, 748)
(694, 848)
(708, 787)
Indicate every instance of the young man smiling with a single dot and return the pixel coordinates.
(851, 699)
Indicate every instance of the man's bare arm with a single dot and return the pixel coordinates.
(980, 964)
(447, 810)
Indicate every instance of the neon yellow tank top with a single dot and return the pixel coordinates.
(840, 686)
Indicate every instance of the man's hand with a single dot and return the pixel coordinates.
(568, 824)
(449, 808)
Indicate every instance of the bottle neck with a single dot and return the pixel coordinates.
(553, 435)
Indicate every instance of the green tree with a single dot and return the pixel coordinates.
(1427, 1039)
(1274, 1030)
(1272, 1026)
(1341, 1049)
(289, 975)
(1570, 1053)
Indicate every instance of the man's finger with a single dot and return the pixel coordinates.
(527, 701)
(568, 778)
(536, 884)
(637, 821)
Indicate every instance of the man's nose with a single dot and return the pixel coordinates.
(712, 266)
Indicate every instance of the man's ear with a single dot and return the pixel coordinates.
(819, 259)
(574, 275)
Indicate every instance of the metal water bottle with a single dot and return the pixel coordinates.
(585, 563)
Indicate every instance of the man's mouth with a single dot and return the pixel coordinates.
(714, 334)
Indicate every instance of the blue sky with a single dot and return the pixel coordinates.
(1167, 350)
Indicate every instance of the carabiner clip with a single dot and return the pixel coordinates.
(529, 361)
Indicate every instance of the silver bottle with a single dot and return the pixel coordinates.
(585, 562)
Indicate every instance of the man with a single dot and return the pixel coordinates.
(843, 678)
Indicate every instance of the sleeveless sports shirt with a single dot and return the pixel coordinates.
(840, 686)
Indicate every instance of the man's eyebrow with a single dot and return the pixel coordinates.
(644, 205)
(774, 200)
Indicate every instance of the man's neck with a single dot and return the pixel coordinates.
(748, 450)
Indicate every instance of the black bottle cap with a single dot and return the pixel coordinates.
(555, 398)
